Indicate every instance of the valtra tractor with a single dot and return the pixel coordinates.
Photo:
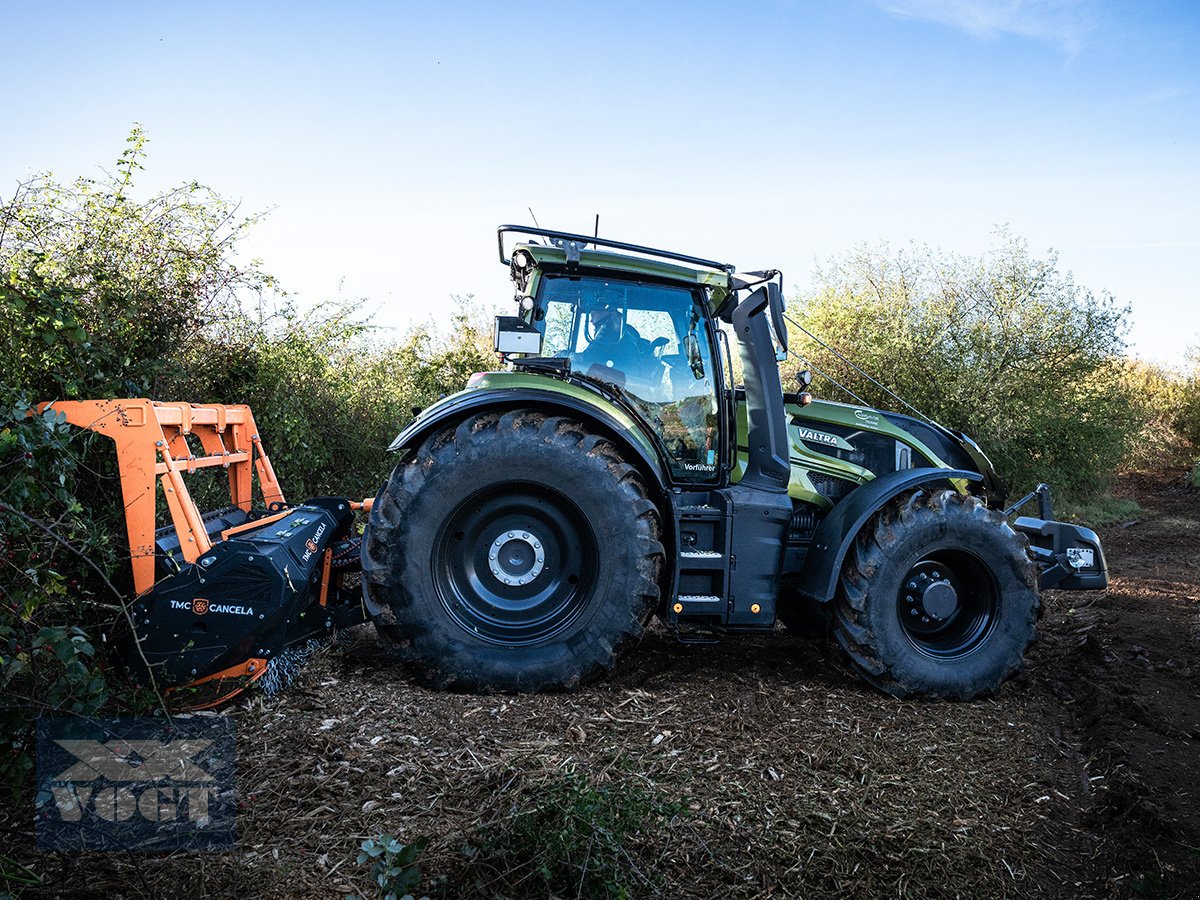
(610, 472)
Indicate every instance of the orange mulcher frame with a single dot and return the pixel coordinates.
(152, 448)
(151, 439)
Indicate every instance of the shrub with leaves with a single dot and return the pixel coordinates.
(100, 296)
(47, 661)
(329, 395)
(395, 869)
(1165, 400)
(104, 294)
(571, 837)
(1005, 347)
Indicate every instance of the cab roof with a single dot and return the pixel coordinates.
(585, 252)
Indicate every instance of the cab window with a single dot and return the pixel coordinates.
(650, 341)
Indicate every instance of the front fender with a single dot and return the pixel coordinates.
(832, 539)
(611, 422)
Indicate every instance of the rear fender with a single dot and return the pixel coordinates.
(458, 407)
(832, 539)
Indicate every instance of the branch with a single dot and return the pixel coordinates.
(4, 507)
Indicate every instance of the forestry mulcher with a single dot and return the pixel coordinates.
(611, 472)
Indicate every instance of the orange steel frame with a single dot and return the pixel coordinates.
(152, 448)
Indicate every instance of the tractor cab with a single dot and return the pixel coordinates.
(651, 342)
(643, 326)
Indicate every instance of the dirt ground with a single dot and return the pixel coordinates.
(755, 768)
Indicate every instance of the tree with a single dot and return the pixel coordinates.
(1004, 346)
(103, 293)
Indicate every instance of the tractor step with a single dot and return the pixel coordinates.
(700, 637)
(698, 613)
(699, 603)
(702, 561)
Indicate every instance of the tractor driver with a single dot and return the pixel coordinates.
(612, 342)
(616, 352)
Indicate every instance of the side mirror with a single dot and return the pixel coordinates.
(695, 359)
(514, 335)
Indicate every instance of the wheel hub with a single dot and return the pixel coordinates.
(947, 603)
(516, 557)
(930, 596)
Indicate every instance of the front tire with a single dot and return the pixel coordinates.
(514, 552)
(938, 598)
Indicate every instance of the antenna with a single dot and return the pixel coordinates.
(532, 216)
(883, 388)
(596, 233)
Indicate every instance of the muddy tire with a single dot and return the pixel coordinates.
(938, 598)
(513, 552)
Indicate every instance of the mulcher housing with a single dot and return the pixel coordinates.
(220, 595)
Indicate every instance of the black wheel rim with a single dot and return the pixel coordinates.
(947, 603)
(515, 564)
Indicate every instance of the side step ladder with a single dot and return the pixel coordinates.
(701, 571)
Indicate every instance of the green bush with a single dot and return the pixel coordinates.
(47, 661)
(1168, 403)
(395, 866)
(1004, 347)
(104, 295)
(569, 836)
(100, 296)
(327, 395)
(1187, 422)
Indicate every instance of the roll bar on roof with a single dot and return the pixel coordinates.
(573, 243)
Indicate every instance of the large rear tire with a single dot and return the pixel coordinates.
(514, 552)
(938, 598)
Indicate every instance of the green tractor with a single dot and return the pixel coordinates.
(613, 471)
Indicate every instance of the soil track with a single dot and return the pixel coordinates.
(1082, 778)
(1126, 667)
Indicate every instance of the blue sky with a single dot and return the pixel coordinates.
(390, 139)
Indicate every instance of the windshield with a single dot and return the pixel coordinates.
(649, 340)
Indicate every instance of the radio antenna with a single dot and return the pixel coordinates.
(532, 216)
(861, 372)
